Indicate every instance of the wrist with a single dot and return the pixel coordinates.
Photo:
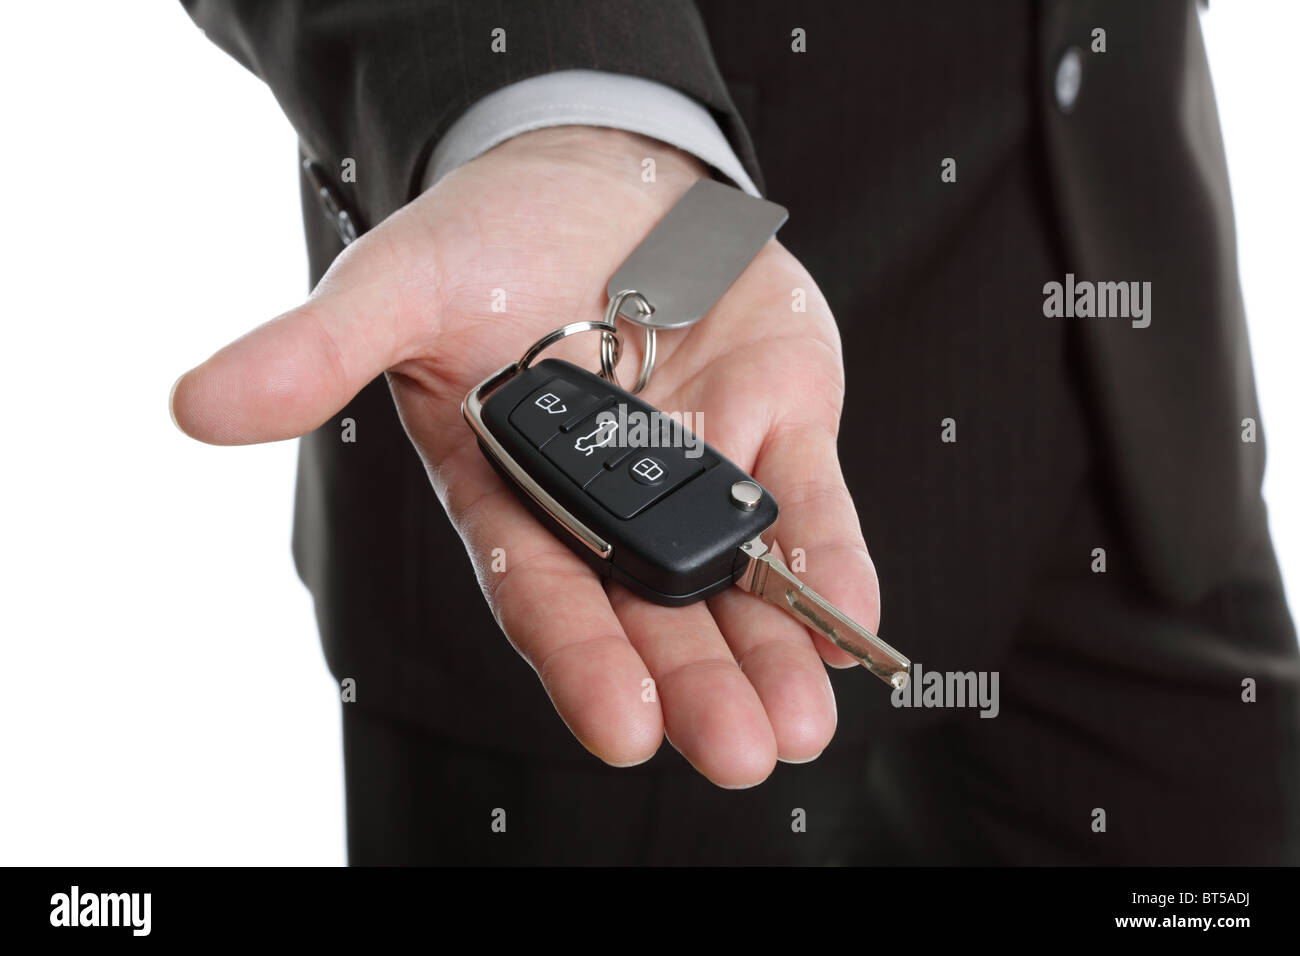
(605, 151)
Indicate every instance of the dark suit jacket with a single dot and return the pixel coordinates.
(938, 289)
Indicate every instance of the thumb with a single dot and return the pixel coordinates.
(289, 376)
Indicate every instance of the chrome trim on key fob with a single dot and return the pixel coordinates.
(472, 409)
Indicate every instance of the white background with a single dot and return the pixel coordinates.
(163, 698)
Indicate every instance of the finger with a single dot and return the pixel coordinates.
(777, 655)
(289, 376)
(799, 464)
(711, 713)
(555, 613)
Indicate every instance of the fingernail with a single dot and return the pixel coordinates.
(171, 403)
(630, 763)
(805, 760)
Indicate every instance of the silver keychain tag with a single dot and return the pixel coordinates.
(694, 254)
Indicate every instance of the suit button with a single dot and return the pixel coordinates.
(344, 222)
(1069, 76)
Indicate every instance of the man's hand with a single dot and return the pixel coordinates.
(548, 216)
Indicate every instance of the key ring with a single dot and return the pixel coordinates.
(608, 334)
(610, 346)
(611, 343)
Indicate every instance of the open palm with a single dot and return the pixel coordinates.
(541, 222)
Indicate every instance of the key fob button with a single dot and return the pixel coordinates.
(582, 451)
(649, 470)
(641, 480)
(540, 415)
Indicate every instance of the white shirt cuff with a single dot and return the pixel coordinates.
(587, 98)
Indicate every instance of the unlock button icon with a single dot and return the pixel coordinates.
(648, 471)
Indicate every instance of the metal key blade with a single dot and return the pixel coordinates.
(769, 578)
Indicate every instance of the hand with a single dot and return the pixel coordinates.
(548, 216)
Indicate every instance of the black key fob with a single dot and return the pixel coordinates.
(631, 490)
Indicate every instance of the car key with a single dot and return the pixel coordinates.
(643, 501)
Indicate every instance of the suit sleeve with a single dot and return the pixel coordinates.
(380, 81)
